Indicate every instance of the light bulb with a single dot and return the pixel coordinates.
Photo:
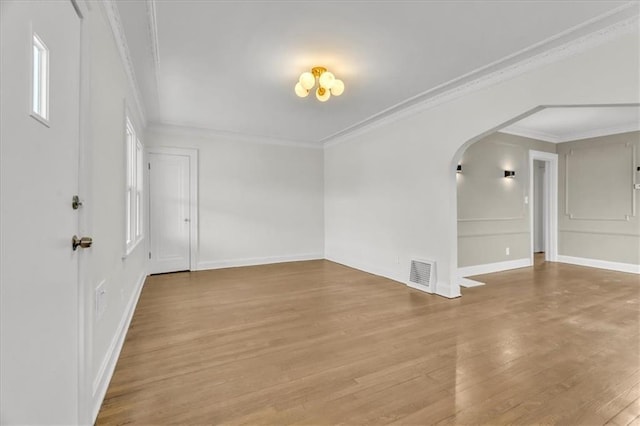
(326, 80)
(301, 91)
(307, 80)
(338, 88)
(322, 94)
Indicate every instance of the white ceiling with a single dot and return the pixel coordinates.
(231, 65)
(561, 124)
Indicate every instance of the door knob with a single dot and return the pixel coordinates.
(84, 242)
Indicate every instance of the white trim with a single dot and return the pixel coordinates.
(252, 261)
(152, 21)
(152, 24)
(113, 17)
(43, 75)
(605, 131)
(439, 288)
(219, 135)
(600, 264)
(489, 268)
(192, 154)
(468, 283)
(85, 224)
(516, 130)
(447, 290)
(548, 137)
(504, 69)
(550, 215)
(108, 365)
(632, 192)
(420, 287)
(366, 267)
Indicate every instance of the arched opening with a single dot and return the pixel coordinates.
(517, 204)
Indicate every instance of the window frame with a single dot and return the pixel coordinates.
(134, 188)
(40, 64)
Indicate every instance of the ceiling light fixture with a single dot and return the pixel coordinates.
(328, 84)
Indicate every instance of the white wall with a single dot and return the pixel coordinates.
(492, 213)
(258, 202)
(110, 94)
(390, 192)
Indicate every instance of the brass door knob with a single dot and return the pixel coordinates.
(84, 242)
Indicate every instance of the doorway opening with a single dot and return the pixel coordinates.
(543, 206)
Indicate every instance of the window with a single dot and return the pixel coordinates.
(40, 81)
(134, 180)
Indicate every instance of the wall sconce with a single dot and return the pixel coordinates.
(459, 168)
(509, 174)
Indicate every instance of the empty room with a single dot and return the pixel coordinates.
(319, 212)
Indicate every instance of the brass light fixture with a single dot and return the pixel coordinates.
(328, 84)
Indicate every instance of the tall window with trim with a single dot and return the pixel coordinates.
(134, 180)
(39, 80)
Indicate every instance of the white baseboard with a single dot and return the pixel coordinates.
(446, 290)
(467, 283)
(488, 268)
(108, 365)
(252, 261)
(364, 267)
(601, 264)
(419, 287)
(442, 289)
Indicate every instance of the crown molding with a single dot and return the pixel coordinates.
(152, 23)
(548, 137)
(530, 133)
(152, 26)
(113, 16)
(620, 21)
(604, 131)
(189, 131)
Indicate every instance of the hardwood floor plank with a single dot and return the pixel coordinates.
(319, 343)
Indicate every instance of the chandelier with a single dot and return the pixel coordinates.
(328, 84)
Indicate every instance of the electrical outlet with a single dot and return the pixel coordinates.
(636, 186)
(507, 251)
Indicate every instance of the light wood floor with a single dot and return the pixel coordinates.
(318, 343)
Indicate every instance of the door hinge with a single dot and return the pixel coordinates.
(149, 164)
(149, 255)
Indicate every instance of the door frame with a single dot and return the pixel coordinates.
(85, 225)
(550, 211)
(192, 154)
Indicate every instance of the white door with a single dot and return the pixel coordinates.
(38, 176)
(169, 212)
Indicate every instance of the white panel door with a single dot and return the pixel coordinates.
(169, 212)
(38, 176)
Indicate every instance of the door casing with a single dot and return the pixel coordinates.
(192, 154)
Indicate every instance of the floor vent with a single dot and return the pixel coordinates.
(423, 274)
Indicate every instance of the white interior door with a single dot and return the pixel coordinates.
(169, 212)
(38, 177)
